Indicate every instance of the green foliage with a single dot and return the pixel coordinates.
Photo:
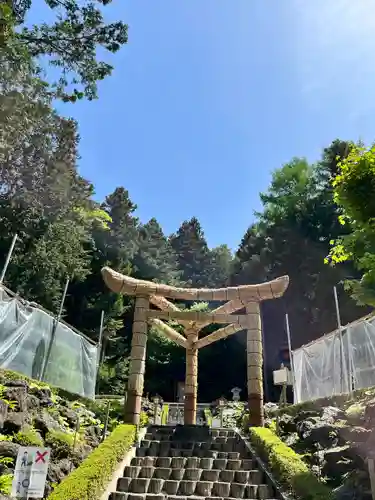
(234, 419)
(6, 481)
(60, 442)
(28, 437)
(298, 208)
(287, 466)
(88, 481)
(6, 460)
(200, 266)
(6, 438)
(69, 43)
(12, 405)
(164, 414)
(143, 419)
(353, 188)
(208, 417)
(155, 259)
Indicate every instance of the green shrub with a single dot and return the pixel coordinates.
(28, 437)
(287, 466)
(90, 479)
(60, 442)
(207, 417)
(6, 438)
(164, 414)
(6, 481)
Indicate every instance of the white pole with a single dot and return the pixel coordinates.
(99, 357)
(339, 326)
(290, 354)
(9, 256)
(100, 339)
(63, 299)
(54, 328)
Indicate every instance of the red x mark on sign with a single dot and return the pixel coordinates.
(40, 457)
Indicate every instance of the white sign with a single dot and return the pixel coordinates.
(282, 376)
(31, 472)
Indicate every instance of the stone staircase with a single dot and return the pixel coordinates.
(193, 463)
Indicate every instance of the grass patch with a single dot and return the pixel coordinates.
(287, 466)
(90, 479)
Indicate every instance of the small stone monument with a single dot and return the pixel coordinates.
(236, 393)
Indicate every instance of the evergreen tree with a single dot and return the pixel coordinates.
(42, 195)
(220, 266)
(292, 237)
(192, 252)
(155, 259)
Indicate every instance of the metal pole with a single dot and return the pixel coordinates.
(54, 328)
(100, 339)
(77, 428)
(99, 358)
(106, 420)
(340, 340)
(9, 256)
(290, 355)
(63, 299)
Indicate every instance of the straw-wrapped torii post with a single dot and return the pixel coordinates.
(245, 297)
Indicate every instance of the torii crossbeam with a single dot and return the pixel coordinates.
(146, 292)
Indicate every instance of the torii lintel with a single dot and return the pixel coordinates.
(126, 285)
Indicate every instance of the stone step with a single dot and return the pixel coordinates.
(193, 433)
(168, 452)
(193, 488)
(194, 463)
(218, 444)
(132, 496)
(252, 476)
(149, 436)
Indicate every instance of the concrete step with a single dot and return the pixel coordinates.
(192, 463)
(219, 444)
(131, 496)
(154, 451)
(189, 433)
(195, 463)
(252, 476)
(184, 488)
(151, 436)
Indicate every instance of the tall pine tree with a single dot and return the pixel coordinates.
(155, 259)
(192, 252)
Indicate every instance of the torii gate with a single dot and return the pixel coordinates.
(146, 292)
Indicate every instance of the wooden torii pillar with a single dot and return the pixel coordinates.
(146, 292)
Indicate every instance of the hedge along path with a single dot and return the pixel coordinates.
(89, 480)
(246, 297)
(288, 467)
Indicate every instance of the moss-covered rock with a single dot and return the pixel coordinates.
(34, 414)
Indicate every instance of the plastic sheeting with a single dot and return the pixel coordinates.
(25, 339)
(319, 371)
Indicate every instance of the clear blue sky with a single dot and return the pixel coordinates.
(210, 96)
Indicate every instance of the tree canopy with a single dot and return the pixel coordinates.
(70, 42)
